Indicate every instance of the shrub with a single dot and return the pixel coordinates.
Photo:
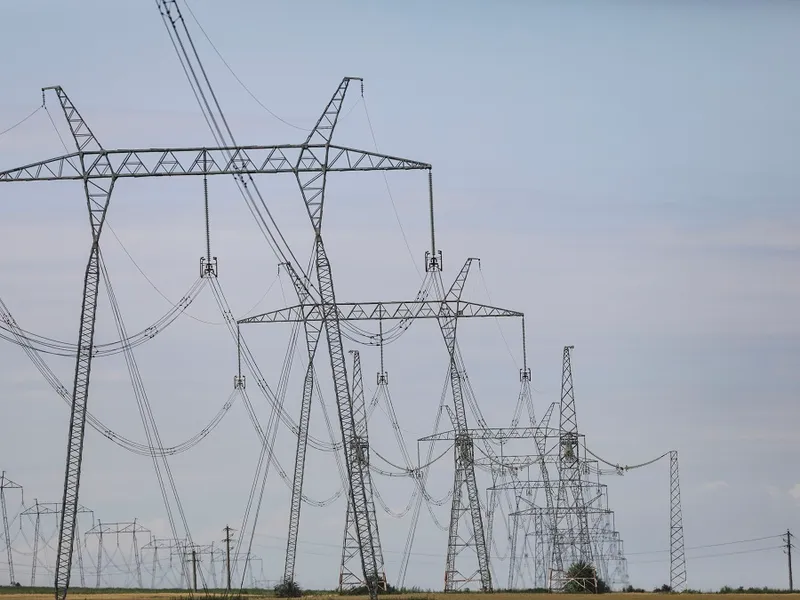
(583, 579)
(288, 589)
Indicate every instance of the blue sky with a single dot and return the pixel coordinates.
(624, 171)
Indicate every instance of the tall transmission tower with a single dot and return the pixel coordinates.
(571, 527)
(348, 576)
(100, 170)
(464, 460)
(446, 311)
(677, 556)
(7, 484)
(484, 434)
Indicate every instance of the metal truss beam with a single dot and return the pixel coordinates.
(382, 311)
(589, 511)
(52, 508)
(223, 160)
(520, 485)
(117, 529)
(494, 433)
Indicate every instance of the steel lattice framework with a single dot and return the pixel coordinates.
(446, 311)
(348, 577)
(464, 459)
(312, 331)
(7, 484)
(127, 528)
(571, 526)
(99, 169)
(57, 509)
(677, 556)
(378, 311)
(301, 160)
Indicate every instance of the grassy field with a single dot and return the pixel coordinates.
(16, 594)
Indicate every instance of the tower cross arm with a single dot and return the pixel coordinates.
(226, 160)
(374, 311)
(494, 433)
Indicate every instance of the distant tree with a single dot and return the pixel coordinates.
(583, 579)
(288, 588)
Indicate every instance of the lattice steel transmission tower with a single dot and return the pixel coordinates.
(52, 508)
(349, 577)
(446, 311)
(485, 434)
(571, 526)
(312, 332)
(7, 484)
(464, 461)
(117, 529)
(174, 549)
(100, 170)
(677, 556)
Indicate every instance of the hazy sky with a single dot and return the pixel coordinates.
(624, 171)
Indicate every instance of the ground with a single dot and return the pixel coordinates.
(7, 594)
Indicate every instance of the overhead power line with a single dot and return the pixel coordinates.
(758, 539)
(661, 560)
(20, 122)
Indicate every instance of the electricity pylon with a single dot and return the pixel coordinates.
(571, 527)
(312, 332)
(52, 508)
(7, 484)
(348, 576)
(446, 311)
(100, 170)
(117, 529)
(677, 556)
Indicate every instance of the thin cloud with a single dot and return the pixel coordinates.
(713, 486)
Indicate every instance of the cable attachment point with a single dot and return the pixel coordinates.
(238, 379)
(208, 268)
(239, 382)
(525, 374)
(383, 378)
(433, 262)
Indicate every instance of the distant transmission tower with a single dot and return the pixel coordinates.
(572, 543)
(117, 529)
(52, 508)
(446, 311)
(7, 484)
(677, 557)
